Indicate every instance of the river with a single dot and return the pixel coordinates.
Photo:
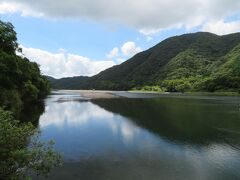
(177, 138)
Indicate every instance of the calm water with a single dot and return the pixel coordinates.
(159, 138)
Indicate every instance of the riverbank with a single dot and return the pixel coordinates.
(213, 93)
(97, 94)
(94, 94)
(101, 94)
(219, 93)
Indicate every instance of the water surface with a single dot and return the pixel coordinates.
(157, 138)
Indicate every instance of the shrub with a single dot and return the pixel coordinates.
(19, 154)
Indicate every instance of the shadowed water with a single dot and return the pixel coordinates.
(158, 138)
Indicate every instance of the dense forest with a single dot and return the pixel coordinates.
(21, 80)
(21, 85)
(191, 62)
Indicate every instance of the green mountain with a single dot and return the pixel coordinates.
(198, 61)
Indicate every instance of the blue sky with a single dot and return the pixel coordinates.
(89, 39)
(85, 37)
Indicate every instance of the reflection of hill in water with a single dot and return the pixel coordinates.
(185, 120)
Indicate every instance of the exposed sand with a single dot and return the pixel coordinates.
(85, 95)
(93, 94)
(97, 94)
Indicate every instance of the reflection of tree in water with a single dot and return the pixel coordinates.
(181, 120)
(18, 154)
(32, 112)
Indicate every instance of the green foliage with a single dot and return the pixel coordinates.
(19, 154)
(227, 76)
(8, 39)
(10, 99)
(21, 81)
(150, 88)
(177, 85)
(30, 91)
(190, 62)
(187, 64)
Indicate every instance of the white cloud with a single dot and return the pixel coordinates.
(148, 16)
(14, 7)
(63, 64)
(113, 53)
(129, 48)
(149, 38)
(8, 8)
(60, 114)
(150, 31)
(221, 27)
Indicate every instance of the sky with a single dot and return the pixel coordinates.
(83, 37)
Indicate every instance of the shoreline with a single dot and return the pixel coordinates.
(94, 94)
(101, 94)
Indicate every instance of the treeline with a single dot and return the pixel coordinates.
(21, 81)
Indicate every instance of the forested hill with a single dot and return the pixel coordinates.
(21, 81)
(198, 61)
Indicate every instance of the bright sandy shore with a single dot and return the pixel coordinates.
(97, 94)
(93, 94)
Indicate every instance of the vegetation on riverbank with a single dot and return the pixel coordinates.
(20, 154)
(180, 89)
(21, 84)
(149, 89)
(219, 93)
(157, 89)
(21, 80)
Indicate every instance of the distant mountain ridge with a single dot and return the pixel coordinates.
(197, 61)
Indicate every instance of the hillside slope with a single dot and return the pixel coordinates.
(190, 61)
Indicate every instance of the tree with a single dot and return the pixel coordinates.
(20, 153)
(30, 91)
(20, 79)
(8, 38)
